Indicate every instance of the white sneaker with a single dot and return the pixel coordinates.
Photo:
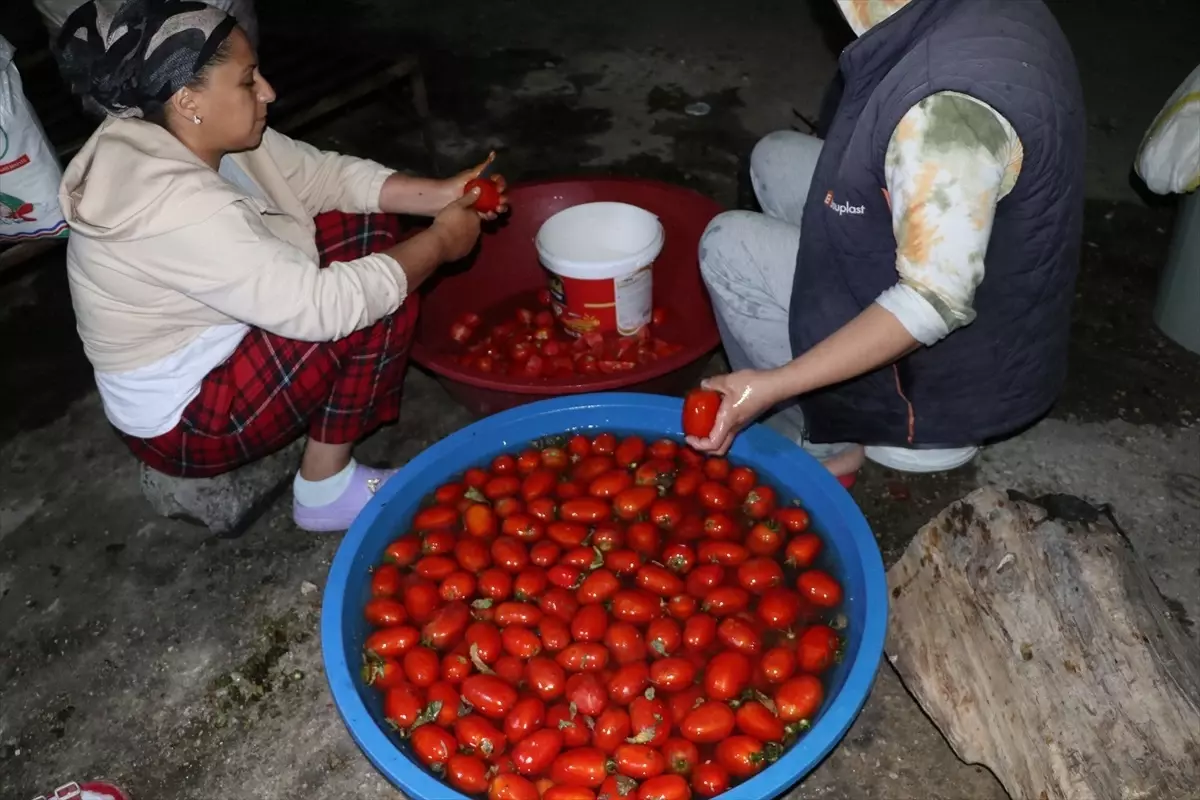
(905, 459)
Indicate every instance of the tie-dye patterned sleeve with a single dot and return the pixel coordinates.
(951, 159)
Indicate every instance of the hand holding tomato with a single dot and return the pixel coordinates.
(745, 395)
(489, 200)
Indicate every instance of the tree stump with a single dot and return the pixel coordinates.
(1035, 639)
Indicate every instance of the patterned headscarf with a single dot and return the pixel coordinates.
(129, 56)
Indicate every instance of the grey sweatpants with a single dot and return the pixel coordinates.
(748, 262)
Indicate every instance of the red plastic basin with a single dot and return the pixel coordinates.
(507, 265)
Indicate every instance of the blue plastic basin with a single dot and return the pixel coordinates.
(852, 552)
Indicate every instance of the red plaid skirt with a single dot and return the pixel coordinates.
(273, 390)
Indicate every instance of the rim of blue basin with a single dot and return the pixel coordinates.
(833, 511)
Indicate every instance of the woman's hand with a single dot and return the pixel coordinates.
(458, 183)
(457, 227)
(745, 395)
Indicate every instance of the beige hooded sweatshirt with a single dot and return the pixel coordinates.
(169, 262)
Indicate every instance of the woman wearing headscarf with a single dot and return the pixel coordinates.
(221, 319)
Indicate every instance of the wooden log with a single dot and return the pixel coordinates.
(1035, 639)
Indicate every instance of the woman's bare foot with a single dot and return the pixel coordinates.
(847, 462)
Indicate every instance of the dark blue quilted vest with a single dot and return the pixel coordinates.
(1005, 369)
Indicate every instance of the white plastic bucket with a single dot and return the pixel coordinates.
(600, 257)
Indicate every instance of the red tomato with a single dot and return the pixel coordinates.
(510, 555)
(383, 673)
(574, 730)
(699, 632)
(738, 634)
(799, 699)
(555, 458)
(480, 521)
(598, 587)
(402, 706)
(779, 608)
(523, 526)
(688, 481)
(521, 642)
(704, 578)
(568, 793)
(401, 553)
(545, 678)
(755, 719)
(512, 787)
(435, 518)
(555, 633)
(456, 666)
(727, 675)
(472, 555)
(478, 735)
(793, 518)
(760, 503)
(592, 468)
(447, 626)
(717, 496)
(730, 554)
(583, 657)
(708, 780)
(422, 666)
(495, 584)
(742, 756)
(708, 723)
(385, 612)
(467, 773)
(672, 674)
(559, 602)
(651, 719)
(605, 444)
(510, 668)
(590, 623)
(432, 745)
(530, 585)
(391, 641)
(778, 665)
(489, 695)
(385, 581)
(539, 483)
(664, 636)
(618, 787)
(639, 761)
(700, 408)
(803, 549)
(625, 643)
(682, 606)
(682, 756)
(611, 730)
(633, 502)
(610, 484)
(534, 754)
(435, 568)
(587, 510)
(659, 580)
(484, 640)
(512, 613)
(586, 692)
(819, 588)
(623, 562)
(666, 513)
(665, 787)
(645, 539)
(610, 536)
(630, 452)
(764, 539)
(459, 585)
(489, 195)
(567, 534)
(679, 558)
(628, 682)
(757, 575)
(636, 606)
(544, 554)
(725, 601)
(582, 766)
(817, 649)
(716, 468)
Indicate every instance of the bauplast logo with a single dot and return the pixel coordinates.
(844, 208)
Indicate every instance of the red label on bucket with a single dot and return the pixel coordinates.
(610, 305)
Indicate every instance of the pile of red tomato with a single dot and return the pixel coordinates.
(602, 618)
(531, 344)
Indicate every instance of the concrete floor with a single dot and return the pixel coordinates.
(189, 667)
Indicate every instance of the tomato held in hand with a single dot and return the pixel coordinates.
(700, 412)
(489, 194)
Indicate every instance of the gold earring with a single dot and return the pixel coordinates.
(196, 119)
